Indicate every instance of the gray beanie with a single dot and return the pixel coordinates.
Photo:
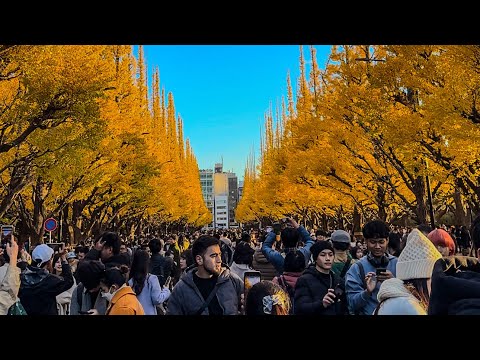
(340, 236)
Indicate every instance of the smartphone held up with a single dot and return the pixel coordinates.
(250, 278)
(6, 233)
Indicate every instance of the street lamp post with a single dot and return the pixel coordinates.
(429, 196)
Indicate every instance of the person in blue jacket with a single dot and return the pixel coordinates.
(364, 278)
(290, 236)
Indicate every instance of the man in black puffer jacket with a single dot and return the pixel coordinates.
(319, 291)
(455, 286)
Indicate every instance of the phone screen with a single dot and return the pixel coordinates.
(380, 271)
(250, 278)
(6, 232)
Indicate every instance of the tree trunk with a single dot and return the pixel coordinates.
(382, 212)
(459, 215)
(357, 220)
(17, 183)
(421, 208)
(340, 223)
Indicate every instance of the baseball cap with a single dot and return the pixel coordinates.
(340, 236)
(42, 253)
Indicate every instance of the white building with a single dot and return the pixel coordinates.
(221, 212)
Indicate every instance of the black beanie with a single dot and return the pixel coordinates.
(90, 272)
(319, 246)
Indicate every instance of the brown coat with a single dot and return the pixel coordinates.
(125, 302)
(260, 263)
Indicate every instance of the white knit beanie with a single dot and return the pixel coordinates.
(417, 258)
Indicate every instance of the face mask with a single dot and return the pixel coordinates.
(108, 295)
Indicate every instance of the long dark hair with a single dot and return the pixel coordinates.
(139, 270)
(55, 259)
(419, 289)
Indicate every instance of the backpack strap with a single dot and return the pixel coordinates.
(362, 273)
(207, 301)
(377, 308)
(80, 295)
(282, 282)
(345, 268)
(290, 291)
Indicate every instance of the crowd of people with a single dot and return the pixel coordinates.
(384, 270)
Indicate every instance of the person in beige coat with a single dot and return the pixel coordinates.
(10, 277)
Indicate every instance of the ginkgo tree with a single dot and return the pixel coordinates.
(82, 141)
(364, 133)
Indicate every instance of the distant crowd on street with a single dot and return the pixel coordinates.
(281, 270)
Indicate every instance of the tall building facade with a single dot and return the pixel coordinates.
(206, 182)
(220, 192)
(240, 190)
(232, 198)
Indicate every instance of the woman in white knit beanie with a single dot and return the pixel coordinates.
(409, 292)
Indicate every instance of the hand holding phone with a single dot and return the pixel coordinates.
(338, 291)
(383, 274)
(379, 271)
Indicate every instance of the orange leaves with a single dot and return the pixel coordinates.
(379, 112)
(95, 130)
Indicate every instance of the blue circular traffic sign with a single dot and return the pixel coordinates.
(50, 224)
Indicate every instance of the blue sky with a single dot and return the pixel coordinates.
(223, 91)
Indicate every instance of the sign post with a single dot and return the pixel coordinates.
(50, 225)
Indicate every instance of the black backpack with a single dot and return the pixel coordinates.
(227, 253)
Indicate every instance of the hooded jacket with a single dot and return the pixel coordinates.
(186, 298)
(39, 289)
(455, 286)
(125, 302)
(260, 263)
